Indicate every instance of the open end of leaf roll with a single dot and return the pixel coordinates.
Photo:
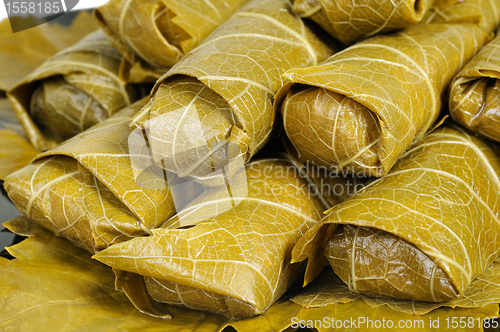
(381, 264)
(316, 113)
(400, 78)
(165, 22)
(71, 91)
(63, 109)
(191, 128)
(475, 93)
(476, 104)
(351, 21)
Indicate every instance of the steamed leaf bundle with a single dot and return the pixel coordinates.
(423, 232)
(475, 93)
(153, 35)
(86, 190)
(366, 105)
(70, 92)
(214, 108)
(228, 251)
(350, 21)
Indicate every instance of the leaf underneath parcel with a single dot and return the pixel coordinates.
(53, 279)
(15, 152)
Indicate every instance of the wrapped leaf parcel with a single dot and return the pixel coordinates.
(215, 105)
(153, 35)
(53, 278)
(366, 105)
(350, 21)
(227, 252)
(423, 232)
(475, 93)
(70, 92)
(86, 190)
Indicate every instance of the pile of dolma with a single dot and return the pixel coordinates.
(272, 175)
(364, 106)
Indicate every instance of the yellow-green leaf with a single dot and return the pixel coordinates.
(366, 105)
(223, 91)
(70, 92)
(420, 232)
(15, 152)
(86, 189)
(153, 35)
(350, 22)
(475, 93)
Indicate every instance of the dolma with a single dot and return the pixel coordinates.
(475, 93)
(366, 105)
(49, 271)
(70, 92)
(423, 232)
(350, 21)
(154, 35)
(213, 110)
(23, 51)
(227, 252)
(85, 190)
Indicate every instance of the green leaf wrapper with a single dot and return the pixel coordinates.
(23, 51)
(153, 35)
(423, 232)
(475, 93)
(70, 92)
(350, 21)
(364, 106)
(215, 106)
(86, 190)
(53, 285)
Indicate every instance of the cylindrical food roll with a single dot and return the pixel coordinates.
(352, 20)
(475, 93)
(87, 190)
(153, 35)
(70, 92)
(227, 252)
(366, 105)
(424, 231)
(215, 106)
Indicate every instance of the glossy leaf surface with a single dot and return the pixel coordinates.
(215, 105)
(427, 202)
(72, 91)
